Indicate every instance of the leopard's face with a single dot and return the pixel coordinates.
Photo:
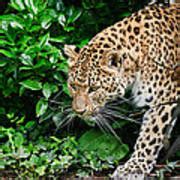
(93, 79)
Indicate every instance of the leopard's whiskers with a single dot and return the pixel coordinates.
(116, 108)
(104, 125)
(99, 124)
(109, 127)
(66, 118)
(117, 114)
(68, 110)
(120, 100)
(57, 95)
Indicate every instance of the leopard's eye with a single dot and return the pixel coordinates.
(112, 60)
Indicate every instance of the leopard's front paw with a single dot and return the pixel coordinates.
(127, 173)
(118, 173)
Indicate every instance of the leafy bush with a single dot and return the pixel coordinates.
(52, 155)
(30, 64)
(33, 33)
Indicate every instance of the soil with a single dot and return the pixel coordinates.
(175, 175)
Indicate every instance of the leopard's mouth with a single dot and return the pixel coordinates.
(99, 115)
(106, 111)
(103, 115)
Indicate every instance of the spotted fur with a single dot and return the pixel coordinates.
(139, 51)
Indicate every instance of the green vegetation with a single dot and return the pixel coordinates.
(51, 155)
(33, 89)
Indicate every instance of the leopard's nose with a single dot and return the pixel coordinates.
(80, 104)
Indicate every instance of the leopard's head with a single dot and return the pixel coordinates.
(96, 75)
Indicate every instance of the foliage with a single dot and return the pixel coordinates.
(36, 158)
(52, 155)
(96, 141)
(30, 64)
(33, 88)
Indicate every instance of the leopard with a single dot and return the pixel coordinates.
(141, 52)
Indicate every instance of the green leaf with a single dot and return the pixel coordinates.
(69, 28)
(46, 21)
(41, 107)
(34, 159)
(30, 124)
(13, 20)
(125, 14)
(15, 24)
(3, 63)
(73, 15)
(83, 43)
(25, 68)
(17, 4)
(94, 140)
(2, 110)
(58, 76)
(54, 59)
(41, 64)
(44, 40)
(40, 170)
(21, 90)
(63, 66)
(7, 53)
(32, 84)
(58, 39)
(4, 43)
(11, 86)
(56, 139)
(48, 89)
(31, 6)
(35, 28)
(2, 163)
(18, 139)
(26, 59)
(65, 89)
(23, 41)
(62, 20)
(100, 5)
(9, 17)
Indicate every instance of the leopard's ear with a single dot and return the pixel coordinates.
(72, 52)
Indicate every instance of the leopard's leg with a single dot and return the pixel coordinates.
(156, 124)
